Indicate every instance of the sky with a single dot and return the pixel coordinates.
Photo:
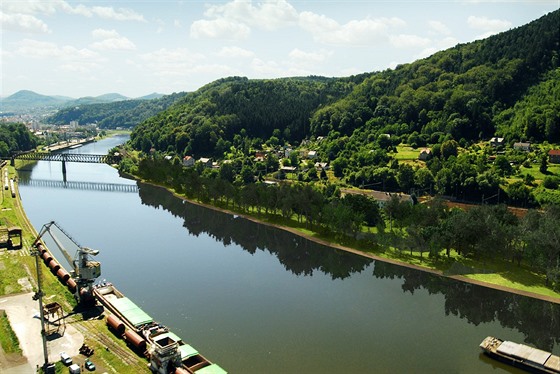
(137, 47)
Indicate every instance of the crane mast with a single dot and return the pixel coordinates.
(85, 269)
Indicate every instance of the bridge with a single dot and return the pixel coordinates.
(68, 157)
(65, 157)
(76, 185)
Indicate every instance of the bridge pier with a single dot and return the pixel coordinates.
(63, 167)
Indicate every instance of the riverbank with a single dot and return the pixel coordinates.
(503, 284)
(18, 278)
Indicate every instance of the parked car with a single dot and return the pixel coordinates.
(74, 369)
(89, 365)
(65, 358)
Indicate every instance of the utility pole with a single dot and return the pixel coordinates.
(39, 296)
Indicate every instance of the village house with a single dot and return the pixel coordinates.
(425, 154)
(207, 162)
(554, 156)
(496, 142)
(260, 155)
(321, 166)
(288, 152)
(188, 161)
(383, 197)
(311, 155)
(522, 146)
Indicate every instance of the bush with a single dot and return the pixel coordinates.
(551, 182)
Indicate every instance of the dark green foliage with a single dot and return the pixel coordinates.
(14, 138)
(460, 91)
(263, 109)
(125, 113)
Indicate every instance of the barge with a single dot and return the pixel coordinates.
(521, 356)
(167, 352)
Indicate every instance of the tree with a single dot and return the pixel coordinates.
(544, 164)
(449, 148)
(405, 177)
(502, 165)
(272, 163)
(247, 174)
(543, 243)
(226, 172)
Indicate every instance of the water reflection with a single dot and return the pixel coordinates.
(538, 320)
(302, 257)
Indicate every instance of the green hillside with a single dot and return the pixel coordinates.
(210, 120)
(468, 92)
(118, 113)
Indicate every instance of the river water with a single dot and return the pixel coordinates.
(255, 299)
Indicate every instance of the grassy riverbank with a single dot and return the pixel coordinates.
(18, 275)
(493, 273)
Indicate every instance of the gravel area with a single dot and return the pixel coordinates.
(23, 314)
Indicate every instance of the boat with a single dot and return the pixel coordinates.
(521, 355)
(167, 352)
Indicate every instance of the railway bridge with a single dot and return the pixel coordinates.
(65, 157)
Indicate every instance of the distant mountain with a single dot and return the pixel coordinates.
(117, 113)
(151, 96)
(101, 99)
(28, 100)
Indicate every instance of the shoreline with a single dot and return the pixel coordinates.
(552, 299)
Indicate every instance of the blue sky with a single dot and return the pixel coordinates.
(136, 47)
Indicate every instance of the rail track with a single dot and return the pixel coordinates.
(90, 330)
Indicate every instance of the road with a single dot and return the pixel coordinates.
(23, 314)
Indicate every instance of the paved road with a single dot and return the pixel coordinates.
(23, 314)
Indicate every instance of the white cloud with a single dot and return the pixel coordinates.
(439, 27)
(235, 52)
(52, 6)
(23, 23)
(309, 57)
(487, 24)
(408, 41)
(234, 20)
(111, 40)
(268, 15)
(37, 49)
(356, 32)
(121, 14)
(219, 28)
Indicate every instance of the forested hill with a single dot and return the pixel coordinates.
(506, 84)
(124, 113)
(461, 91)
(206, 122)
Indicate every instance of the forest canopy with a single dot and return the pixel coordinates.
(504, 85)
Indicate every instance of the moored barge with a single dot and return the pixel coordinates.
(167, 352)
(521, 356)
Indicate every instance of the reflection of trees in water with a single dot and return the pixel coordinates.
(538, 320)
(298, 255)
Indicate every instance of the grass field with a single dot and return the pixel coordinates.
(8, 339)
(406, 153)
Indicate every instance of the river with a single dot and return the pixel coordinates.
(255, 299)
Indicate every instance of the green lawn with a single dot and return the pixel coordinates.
(8, 339)
(406, 153)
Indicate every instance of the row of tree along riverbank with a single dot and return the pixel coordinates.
(433, 235)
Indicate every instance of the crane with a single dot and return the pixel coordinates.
(84, 271)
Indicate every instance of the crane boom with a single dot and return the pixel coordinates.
(85, 271)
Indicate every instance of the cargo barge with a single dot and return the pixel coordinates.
(167, 352)
(521, 356)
